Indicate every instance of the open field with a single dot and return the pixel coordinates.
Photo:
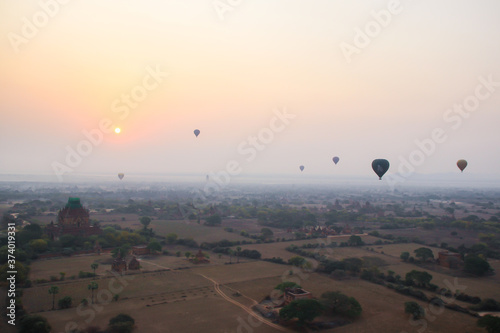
(44, 269)
(191, 229)
(185, 301)
(437, 235)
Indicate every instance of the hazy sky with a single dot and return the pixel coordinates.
(358, 79)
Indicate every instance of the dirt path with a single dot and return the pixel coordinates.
(247, 309)
(152, 263)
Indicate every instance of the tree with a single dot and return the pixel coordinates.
(63, 274)
(171, 238)
(420, 278)
(65, 302)
(120, 251)
(336, 302)
(491, 323)
(297, 261)
(305, 310)
(355, 241)
(424, 253)
(266, 232)
(213, 220)
(34, 324)
(94, 267)
(238, 250)
(188, 254)
(145, 221)
(476, 265)
(122, 323)
(154, 247)
(287, 284)
(39, 245)
(404, 256)
(414, 309)
(53, 290)
(92, 286)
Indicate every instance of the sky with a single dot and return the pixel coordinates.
(271, 85)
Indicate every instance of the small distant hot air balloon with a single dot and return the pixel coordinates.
(301, 168)
(380, 166)
(196, 132)
(462, 164)
(121, 175)
(336, 159)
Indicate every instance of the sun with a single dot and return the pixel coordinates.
(117, 130)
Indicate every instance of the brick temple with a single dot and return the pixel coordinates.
(73, 219)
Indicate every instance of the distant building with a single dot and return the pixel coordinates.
(119, 265)
(73, 219)
(450, 259)
(292, 294)
(199, 258)
(134, 264)
(140, 250)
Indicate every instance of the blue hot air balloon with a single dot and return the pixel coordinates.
(380, 166)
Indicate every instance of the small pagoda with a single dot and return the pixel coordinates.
(134, 264)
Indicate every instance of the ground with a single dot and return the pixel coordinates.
(187, 301)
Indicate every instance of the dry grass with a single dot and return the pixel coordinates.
(183, 301)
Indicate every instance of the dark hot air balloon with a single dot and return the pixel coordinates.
(336, 159)
(462, 164)
(121, 175)
(301, 168)
(380, 166)
(196, 132)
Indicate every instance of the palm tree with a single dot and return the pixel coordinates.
(53, 290)
(94, 267)
(238, 249)
(92, 286)
(230, 252)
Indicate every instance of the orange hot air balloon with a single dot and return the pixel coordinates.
(462, 164)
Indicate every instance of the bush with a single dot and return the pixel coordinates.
(337, 303)
(65, 302)
(488, 304)
(414, 309)
(122, 323)
(34, 324)
(491, 323)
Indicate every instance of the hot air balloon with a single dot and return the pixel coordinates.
(301, 168)
(336, 159)
(461, 164)
(121, 175)
(196, 132)
(380, 166)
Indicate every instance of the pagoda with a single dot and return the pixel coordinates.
(73, 219)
